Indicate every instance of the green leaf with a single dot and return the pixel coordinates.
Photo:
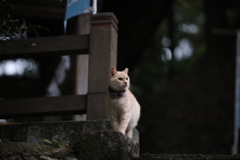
(61, 145)
(65, 144)
(54, 140)
(47, 141)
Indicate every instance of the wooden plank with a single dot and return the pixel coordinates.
(43, 106)
(102, 56)
(46, 46)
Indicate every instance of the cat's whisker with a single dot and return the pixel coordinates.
(131, 88)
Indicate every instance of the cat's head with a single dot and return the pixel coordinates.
(119, 80)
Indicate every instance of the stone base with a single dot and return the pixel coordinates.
(67, 131)
(110, 145)
(30, 151)
(89, 139)
(93, 145)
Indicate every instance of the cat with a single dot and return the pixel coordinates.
(122, 107)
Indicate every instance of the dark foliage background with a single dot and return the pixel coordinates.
(187, 101)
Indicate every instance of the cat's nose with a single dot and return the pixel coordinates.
(125, 82)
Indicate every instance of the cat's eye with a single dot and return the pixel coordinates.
(120, 79)
(127, 78)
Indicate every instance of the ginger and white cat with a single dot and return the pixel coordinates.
(123, 108)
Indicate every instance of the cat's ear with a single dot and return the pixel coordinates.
(126, 70)
(113, 71)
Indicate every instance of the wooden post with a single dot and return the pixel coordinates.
(102, 56)
(81, 86)
(82, 27)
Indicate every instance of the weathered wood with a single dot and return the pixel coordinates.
(43, 105)
(81, 74)
(82, 24)
(102, 56)
(82, 27)
(104, 19)
(47, 46)
(96, 109)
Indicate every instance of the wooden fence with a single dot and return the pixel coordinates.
(100, 44)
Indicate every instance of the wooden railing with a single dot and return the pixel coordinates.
(43, 105)
(100, 44)
(47, 46)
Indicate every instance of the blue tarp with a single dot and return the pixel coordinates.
(76, 7)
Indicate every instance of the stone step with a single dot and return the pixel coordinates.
(87, 139)
(93, 145)
(67, 131)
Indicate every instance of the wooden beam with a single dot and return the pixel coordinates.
(43, 106)
(46, 46)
